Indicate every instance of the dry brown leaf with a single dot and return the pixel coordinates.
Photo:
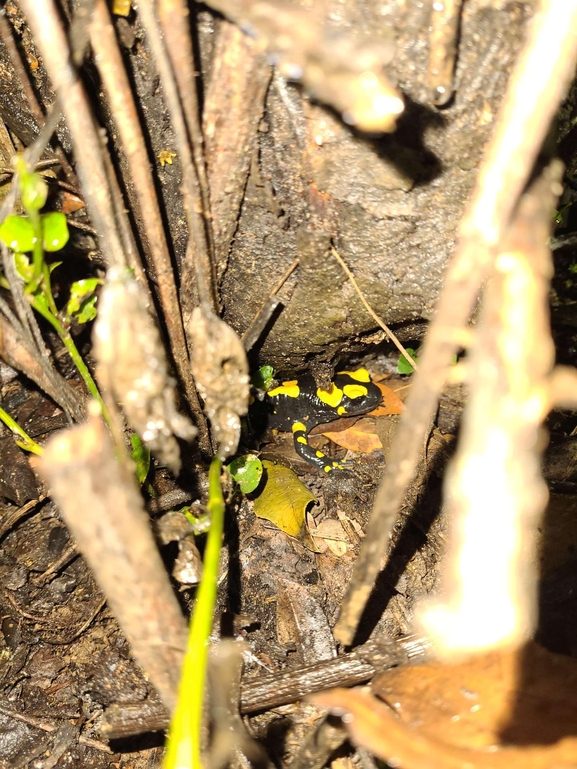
(360, 437)
(503, 710)
(392, 403)
(71, 203)
(331, 532)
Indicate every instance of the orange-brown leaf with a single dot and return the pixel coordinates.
(360, 437)
(71, 203)
(503, 710)
(392, 403)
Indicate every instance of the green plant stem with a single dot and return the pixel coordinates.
(25, 442)
(183, 749)
(38, 250)
(68, 342)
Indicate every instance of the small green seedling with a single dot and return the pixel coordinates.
(141, 457)
(200, 522)
(246, 471)
(82, 303)
(404, 366)
(36, 234)
(263, 378)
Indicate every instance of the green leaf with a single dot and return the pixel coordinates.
(41, 304)
(283, 499)
(200, 522)
(263, 377)
(33, 191)
(141, 456)
(23, 267)
(55, 232)
(17, 233)
(404, 366)
(246, 471)
(87, 310)
(82, 302)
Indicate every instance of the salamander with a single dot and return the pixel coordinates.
(299, 405)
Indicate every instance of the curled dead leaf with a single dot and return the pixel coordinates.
(283, 499)
(220, 370)
(503, 710)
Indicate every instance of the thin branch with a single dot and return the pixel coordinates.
(111, 68)
(112, 530)
(371, 312)
(199, 241)
(495, 494)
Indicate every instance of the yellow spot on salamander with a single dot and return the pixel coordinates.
(331, 397)
(355, 391)
(291, 389)
(302, 439)
(319, 454)
(327, 468)
(298, 427)
(361, 374)
(341, 410)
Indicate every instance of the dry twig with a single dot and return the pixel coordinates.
(104, 511)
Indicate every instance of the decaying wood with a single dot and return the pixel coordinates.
(235, 97)
(538, 84)
(344, 70)
(282, 688)
(103, 509)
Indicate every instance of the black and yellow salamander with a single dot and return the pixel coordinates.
(299, 405)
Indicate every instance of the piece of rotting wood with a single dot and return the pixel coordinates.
(233, 108)
(24, 76)
(283, 687)
(537, 86)
(101, 505)
(174, 17)
(344, 70)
